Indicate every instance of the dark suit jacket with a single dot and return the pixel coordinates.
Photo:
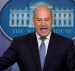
(24, 51)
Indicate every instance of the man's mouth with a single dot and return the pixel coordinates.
(43, 29)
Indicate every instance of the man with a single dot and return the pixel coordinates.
(42, 50)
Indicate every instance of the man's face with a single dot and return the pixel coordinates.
(43, 21)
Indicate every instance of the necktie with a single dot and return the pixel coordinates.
(42, 52)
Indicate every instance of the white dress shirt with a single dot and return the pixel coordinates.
(46, 41)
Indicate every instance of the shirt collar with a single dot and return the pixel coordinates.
(38, 36)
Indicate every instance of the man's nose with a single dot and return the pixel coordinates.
(43, 22)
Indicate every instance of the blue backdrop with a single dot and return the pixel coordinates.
(62, 9)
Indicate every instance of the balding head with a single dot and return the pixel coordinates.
(42, 8)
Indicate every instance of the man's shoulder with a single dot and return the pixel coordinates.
(23, 37)
(62, 39)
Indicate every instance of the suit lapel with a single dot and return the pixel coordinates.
(34, 49)
(51, 51)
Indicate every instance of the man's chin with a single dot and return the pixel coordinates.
(43, 34)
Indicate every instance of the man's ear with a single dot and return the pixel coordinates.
(33, 19)
(52, 18)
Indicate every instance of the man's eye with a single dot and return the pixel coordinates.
(38, 19)
(46, 19)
